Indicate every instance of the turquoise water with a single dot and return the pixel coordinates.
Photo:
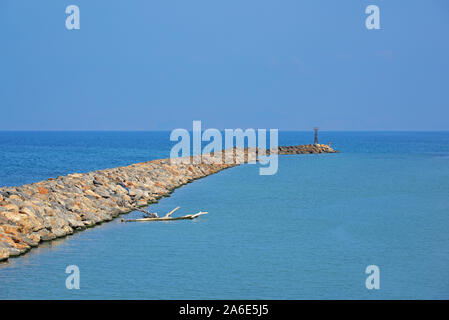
(307, 232)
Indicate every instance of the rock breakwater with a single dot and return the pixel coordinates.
(57, 207)
(306, 148)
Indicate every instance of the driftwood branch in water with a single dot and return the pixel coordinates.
(166, 217)
(147, 213)
(170, 213)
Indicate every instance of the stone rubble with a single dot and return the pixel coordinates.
(60, 206)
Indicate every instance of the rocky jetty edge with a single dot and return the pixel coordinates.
(57, 207)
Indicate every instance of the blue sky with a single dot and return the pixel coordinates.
(158, 65)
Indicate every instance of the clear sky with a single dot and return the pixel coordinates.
(158, 65)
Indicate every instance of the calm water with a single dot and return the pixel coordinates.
(307, 232)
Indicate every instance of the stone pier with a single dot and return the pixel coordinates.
(57, 207)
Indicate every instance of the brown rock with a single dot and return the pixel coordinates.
(15, 197)
(46, 235)
(35, 237)
(93, 194)
(11, 207)
(4, 254)
(42, 190)
(4, 238)
(11, 230)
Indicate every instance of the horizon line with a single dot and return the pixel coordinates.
(169, 130)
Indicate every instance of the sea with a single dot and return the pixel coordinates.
(310, 231)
